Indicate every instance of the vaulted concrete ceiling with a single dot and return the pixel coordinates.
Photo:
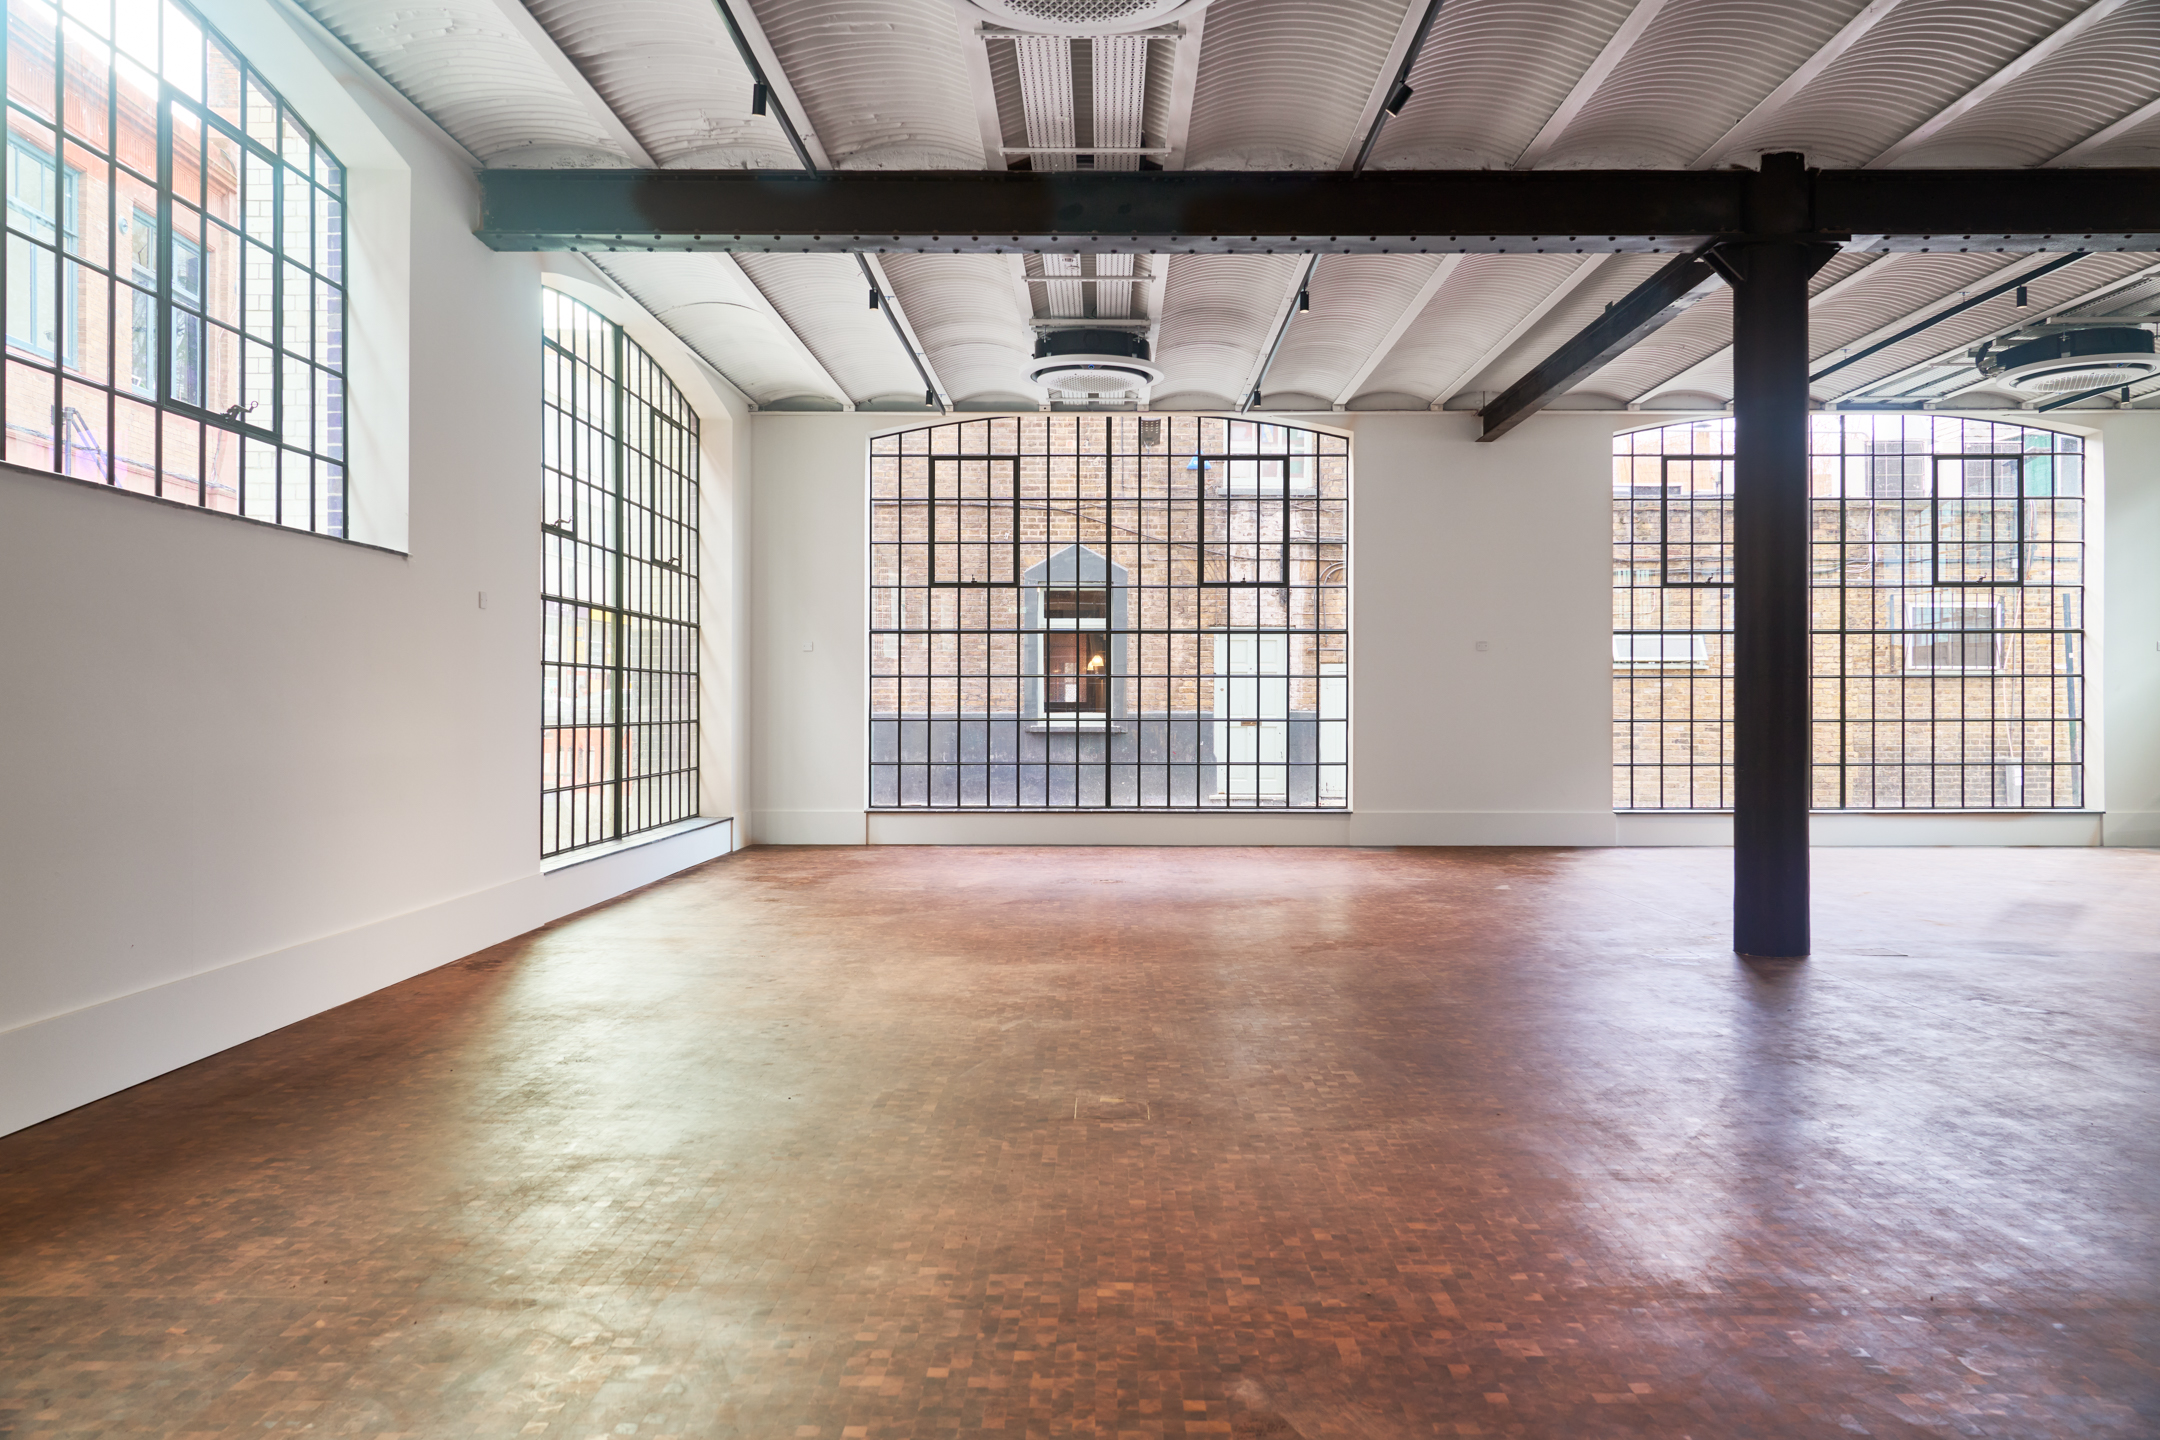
(1293, 84)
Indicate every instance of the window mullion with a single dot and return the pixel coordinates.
(618, 457)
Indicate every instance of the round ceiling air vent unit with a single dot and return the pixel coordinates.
(1093, 362)
(1084, 17)
(2070, 361)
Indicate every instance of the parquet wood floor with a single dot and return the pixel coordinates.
(912, 1143)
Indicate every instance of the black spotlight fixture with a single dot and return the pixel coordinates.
(1396, 101)
(757, 98)
(874, 299)
(2022, 300)
(1304, 301)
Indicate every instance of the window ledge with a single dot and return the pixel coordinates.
(1075, 727)
(601, 851)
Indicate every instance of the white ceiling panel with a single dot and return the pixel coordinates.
(1219, 313)
(1918, 58)
(824, 299)
(966, 312)
(1472, 310)
(1489, 75)
(669, 70)
(1283, 82)
(711, 304)
(469, 68)
(1356, 302)
(2103, 74)
(1699, 67)
(885, 81)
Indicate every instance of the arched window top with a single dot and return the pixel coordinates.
(1109, 611)
(1856, 433)
(1947, 571)
(175, 267)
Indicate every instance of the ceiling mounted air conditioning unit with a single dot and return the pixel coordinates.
(1108, 363)
(1084, 17)
(2070, 361)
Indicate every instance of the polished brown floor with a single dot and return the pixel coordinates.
(903, 1143)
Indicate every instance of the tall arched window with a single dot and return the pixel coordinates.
(1949, 623)
(619, 547)
(175, 268)
(1119, 612)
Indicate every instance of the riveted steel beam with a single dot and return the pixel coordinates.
(1324, 212)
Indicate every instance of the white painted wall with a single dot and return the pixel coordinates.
(251, 773)
(1454, 542)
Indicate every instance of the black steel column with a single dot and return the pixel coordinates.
(1771, 663)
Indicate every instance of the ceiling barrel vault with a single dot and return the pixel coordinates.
(1391, 255)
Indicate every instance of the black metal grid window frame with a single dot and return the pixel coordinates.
(619, 599)
(1948, 625)
(201, 362)
(974, 524)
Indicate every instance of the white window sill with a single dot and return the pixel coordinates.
(630, 842)
(1075, 727)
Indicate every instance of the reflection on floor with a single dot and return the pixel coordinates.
(902, 1143)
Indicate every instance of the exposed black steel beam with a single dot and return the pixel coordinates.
(1192, 211)
(1958, 309)
(1657, 302)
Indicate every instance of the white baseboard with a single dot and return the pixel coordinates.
(2134, 828)
(52, 1065)
(1430, 827)
(1232, 827)
(2071, 828)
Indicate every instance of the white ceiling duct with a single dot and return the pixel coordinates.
(1084, 17)
(2068, 361)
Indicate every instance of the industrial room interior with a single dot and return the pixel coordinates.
(875, 719)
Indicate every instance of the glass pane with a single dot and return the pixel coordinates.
(86, 197)
(135, 333)
(187, 358)
(221, 89)
(96, 15)
(221, 371)
(86, 323)
(183, 59)
(259, 292)
(180, 462)
(88, 99)
(221, 268)
(134, 446)
(261, 116)
(221, 469)
(84, 451)
(221, 178)
(31, 51)
(29, 417)
(299, 230)
(261, 199)
(135, 27)
(136, 97)
(186, 155)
